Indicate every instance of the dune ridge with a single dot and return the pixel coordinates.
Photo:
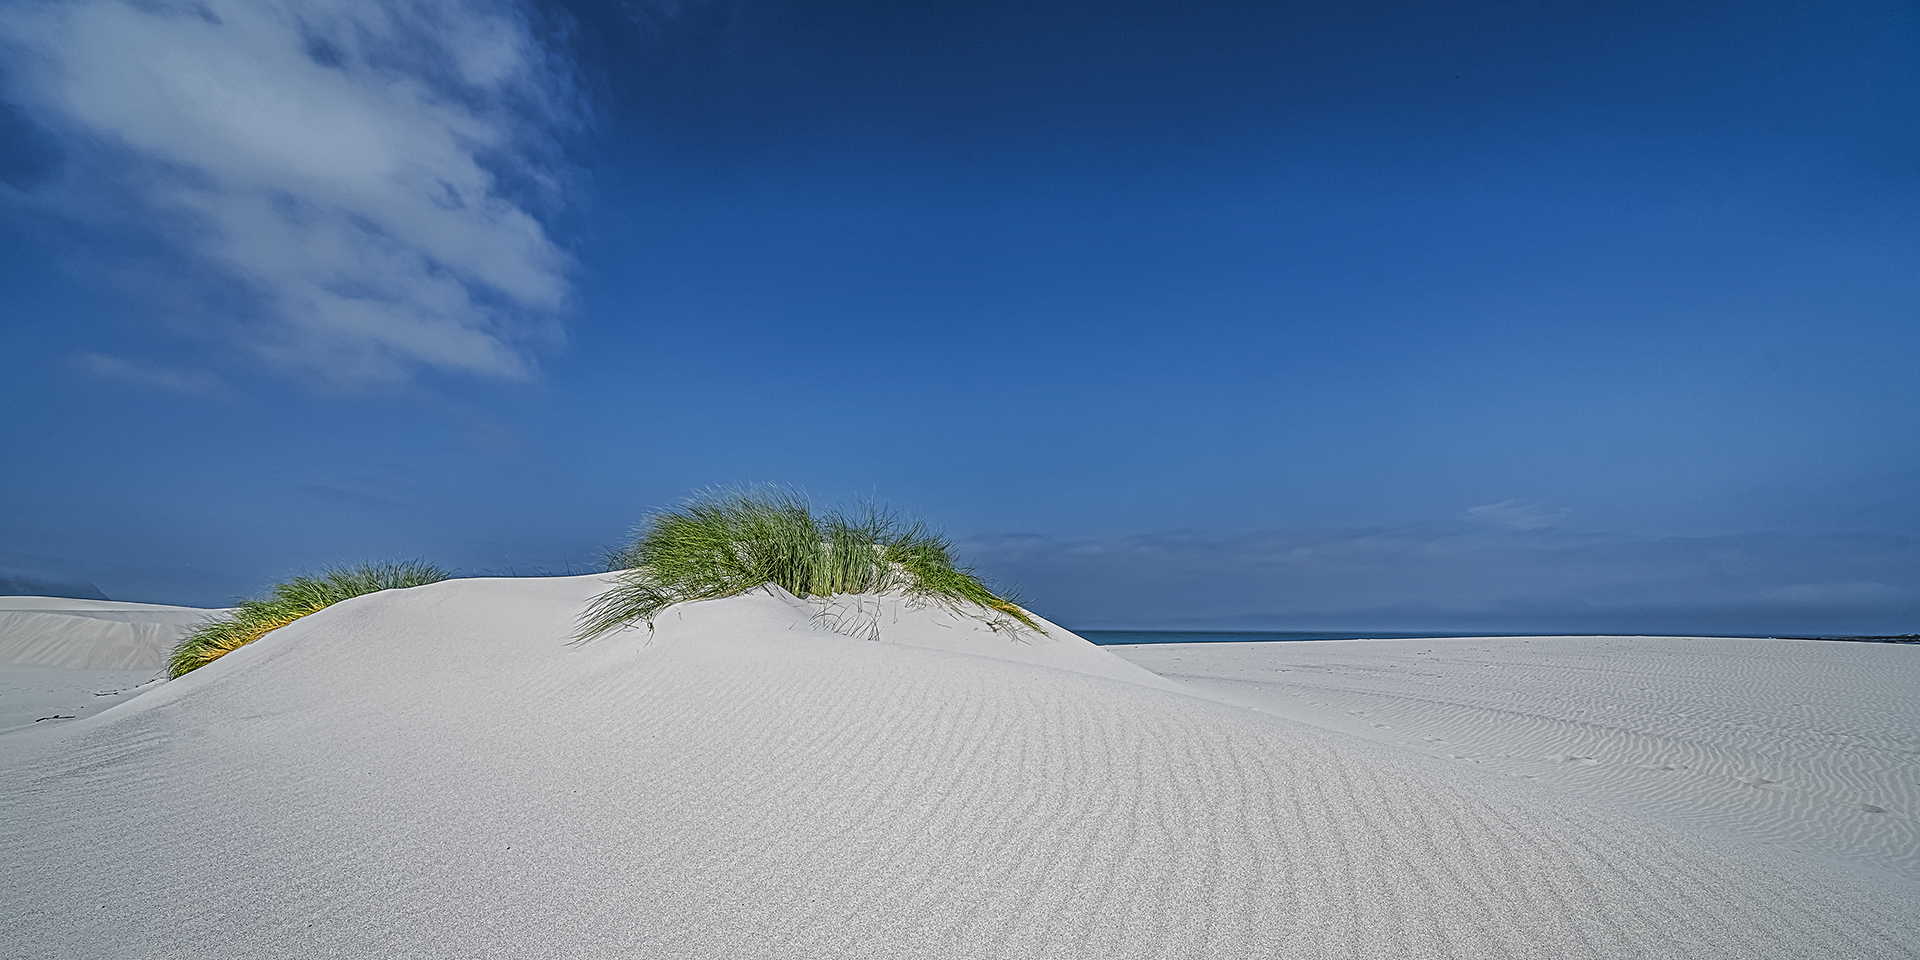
(434, 772)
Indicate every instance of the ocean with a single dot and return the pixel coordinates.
(1113, 637)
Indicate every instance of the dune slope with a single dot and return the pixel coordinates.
(431, 772)
(91, 634)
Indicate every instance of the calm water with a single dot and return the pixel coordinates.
(1107, 637)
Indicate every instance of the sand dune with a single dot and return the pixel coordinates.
(1814, 747)
(63, 659)
(91, 634)
(433, 773)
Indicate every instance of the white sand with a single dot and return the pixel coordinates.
(1811, 746)
(91, 634)
(432, 773)
(34, 696)
(62, 659)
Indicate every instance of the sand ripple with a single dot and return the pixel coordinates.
(1814, 747)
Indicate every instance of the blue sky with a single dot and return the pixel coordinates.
(1485, 316)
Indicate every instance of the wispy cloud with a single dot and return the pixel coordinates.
(196, 383)
(653, 16)
(1515, 515)
(365, 173)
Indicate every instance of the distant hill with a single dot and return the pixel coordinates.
(21, 585)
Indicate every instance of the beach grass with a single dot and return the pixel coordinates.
(723, 543)
(289, 601)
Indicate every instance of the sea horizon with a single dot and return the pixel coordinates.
(1107, 638)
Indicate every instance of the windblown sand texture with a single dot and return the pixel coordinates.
(1810, 746)
(434, 773)
(91, 634)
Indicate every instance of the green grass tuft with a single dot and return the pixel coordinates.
(727, 542)
(290, 601)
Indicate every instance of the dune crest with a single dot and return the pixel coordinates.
(901, 619)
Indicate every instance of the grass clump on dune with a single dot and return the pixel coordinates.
(725, 543)
(290, 601)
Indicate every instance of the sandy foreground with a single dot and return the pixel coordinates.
(434, 772)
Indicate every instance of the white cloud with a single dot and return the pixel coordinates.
(1515, 515)
(341, 160)
(197, 383)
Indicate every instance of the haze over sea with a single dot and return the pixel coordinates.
(1119, 637)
